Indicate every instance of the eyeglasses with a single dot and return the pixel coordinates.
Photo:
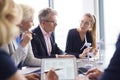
(85, 23)
(54, 22)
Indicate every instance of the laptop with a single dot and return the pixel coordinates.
(65, 68)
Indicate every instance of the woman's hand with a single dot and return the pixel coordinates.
(26, 38)
(94, 51)
(85, 52)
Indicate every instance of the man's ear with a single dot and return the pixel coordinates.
(42, 22)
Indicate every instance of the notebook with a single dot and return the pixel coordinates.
(66, 68)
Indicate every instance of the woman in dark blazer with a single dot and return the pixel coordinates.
(77, 37)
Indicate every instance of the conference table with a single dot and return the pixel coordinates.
(80, 63)
(92, 63)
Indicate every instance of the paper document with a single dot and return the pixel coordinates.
(64, 67)
(29, 70)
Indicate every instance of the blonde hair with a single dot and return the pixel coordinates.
(10, 16)
(28, 12)
(93, 30)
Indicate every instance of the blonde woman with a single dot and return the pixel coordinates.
(78, 36)
(23, 52)
(20, 48)
(9, 12)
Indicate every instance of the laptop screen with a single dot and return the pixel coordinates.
(65, 68)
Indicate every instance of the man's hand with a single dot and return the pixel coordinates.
(32, 76)
(51, 75)
(94, 73)
(82, 77)
(65, 56)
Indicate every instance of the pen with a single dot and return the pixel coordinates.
(57, 69)
(82, 72)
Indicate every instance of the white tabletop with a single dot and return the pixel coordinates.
(26, 70)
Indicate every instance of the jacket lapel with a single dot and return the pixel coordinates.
(41, 37)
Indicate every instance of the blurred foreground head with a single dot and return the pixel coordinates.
(10, 16)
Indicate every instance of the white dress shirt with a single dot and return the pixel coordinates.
(47, 40)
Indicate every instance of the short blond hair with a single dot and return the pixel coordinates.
(10, 16)
(28, 12)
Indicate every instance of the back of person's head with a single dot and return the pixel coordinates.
(44, 13)
(10, 16)
(28, 12)
(93, 28)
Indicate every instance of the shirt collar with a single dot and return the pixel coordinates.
(44, 32)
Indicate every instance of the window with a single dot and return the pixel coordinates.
(37, 5)
(69, 13)
(112, 23)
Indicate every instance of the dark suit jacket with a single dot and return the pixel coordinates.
(39, 46)
(113, 70)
